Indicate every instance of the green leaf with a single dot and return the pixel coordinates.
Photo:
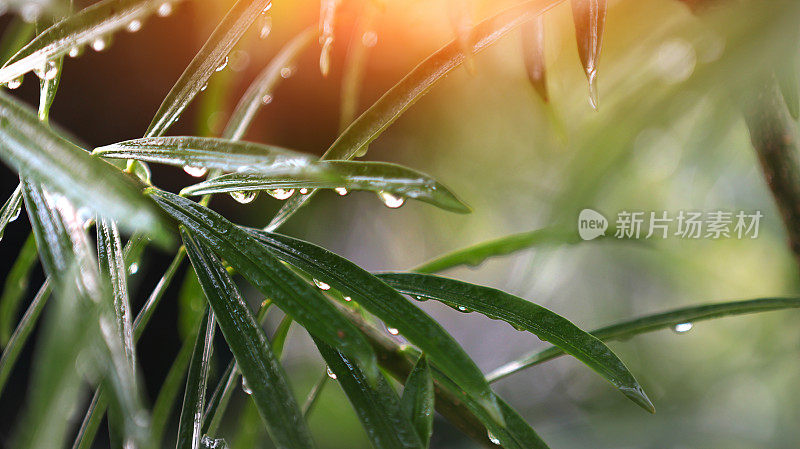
(388, 305)
(36, 151)
(20, 336)
(417, 400)
(260, 91)
(11, 209)
(112, 265)
(206, 153)
(246, 339)
(71, 34)
(476, 254)
(15, 287)
(170, 388)
(651, 323)
(207, 61)
(590, 19)
(281, 333)
(386, 179)
(190, 425)
(255, 262)
(367, 127)
(377, 406)
(524, 315)
(15, 36)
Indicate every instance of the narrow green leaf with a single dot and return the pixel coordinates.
(203, 153)
(590, 19)
(91, 421)
(15, 287)
(112, 265)
(476, 254)
(367, 127)
(417, 400)
(246, 339)
(281, 333)
(207, 61)
(533, 54)
(362, 39)
(294, 296)
(170, 389)
(651, 323)
(20, 336)
(15, 36)
(260, 91)
(389, 180)
(314, 394)
(387, 304)
(194, 396)
(327, 20)
(377, 406)
(11, 209)
(36, 151)
(70, 35)
(527, 316)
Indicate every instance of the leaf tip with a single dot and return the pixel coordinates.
(639, 397)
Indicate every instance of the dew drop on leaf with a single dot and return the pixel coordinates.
(304, 191)
(392, 330)
(99, 44)
(287, 72)
(391, 201)
(195, 171)
(330, 372)
(133, 268)
(75, 51)
(244, 197)
(321, 285)
(682, 327)
(134, 26)
(165, 9)
(341, 191)
(246, 387)
(493, 438)
(369, 39)
(15, 83)
(222, 65)
(348, 299)
(266, 99)
(281, 194)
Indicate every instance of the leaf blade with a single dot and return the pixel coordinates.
(418, 400)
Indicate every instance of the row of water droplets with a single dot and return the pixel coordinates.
(49, 70)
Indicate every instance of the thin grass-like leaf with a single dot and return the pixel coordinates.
(170, 389)
(89, 26)
(327, 20)
(15, 287)
(23, 330)
(15, 36)
(533, 55)
(377, 406)
(252, 260)
(387, 304)
(418, 400)
(112, 264)
(392, 182)
(194, 396)
(367, 127)
(590, 19)
(314, 394)
(11, 209)
(36, 151)
(261, 90)
(362, 40)
(203, 153)
(527, 316)
(476, 254)
(462, 23)
(651, 323)
(207, 61)
(246, 339)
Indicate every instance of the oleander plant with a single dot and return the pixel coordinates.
(97, 214)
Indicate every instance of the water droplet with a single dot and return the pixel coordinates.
(165, 9)
(207, 442)
(281, 194)
(330, 372)
(266, 99)
(266, 26)
(222, 65)
(133, 268)
(99, 44)
(75, 51)
(421, 298)
(134, 26)
(266, 8)
(341, 191)
(304, 191)
(244, 196)
(391, 201)
(392, 331)
(493, 438)
(246, 387)
(15, 83)
(462, 309)
(321, 285)
(195, 171)
(348, 299)
(48, 71)
(287, 72)
(204, 87)
(369, 39)
(683, 327)
(16, 214)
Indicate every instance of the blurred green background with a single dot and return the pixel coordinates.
(668, 136)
